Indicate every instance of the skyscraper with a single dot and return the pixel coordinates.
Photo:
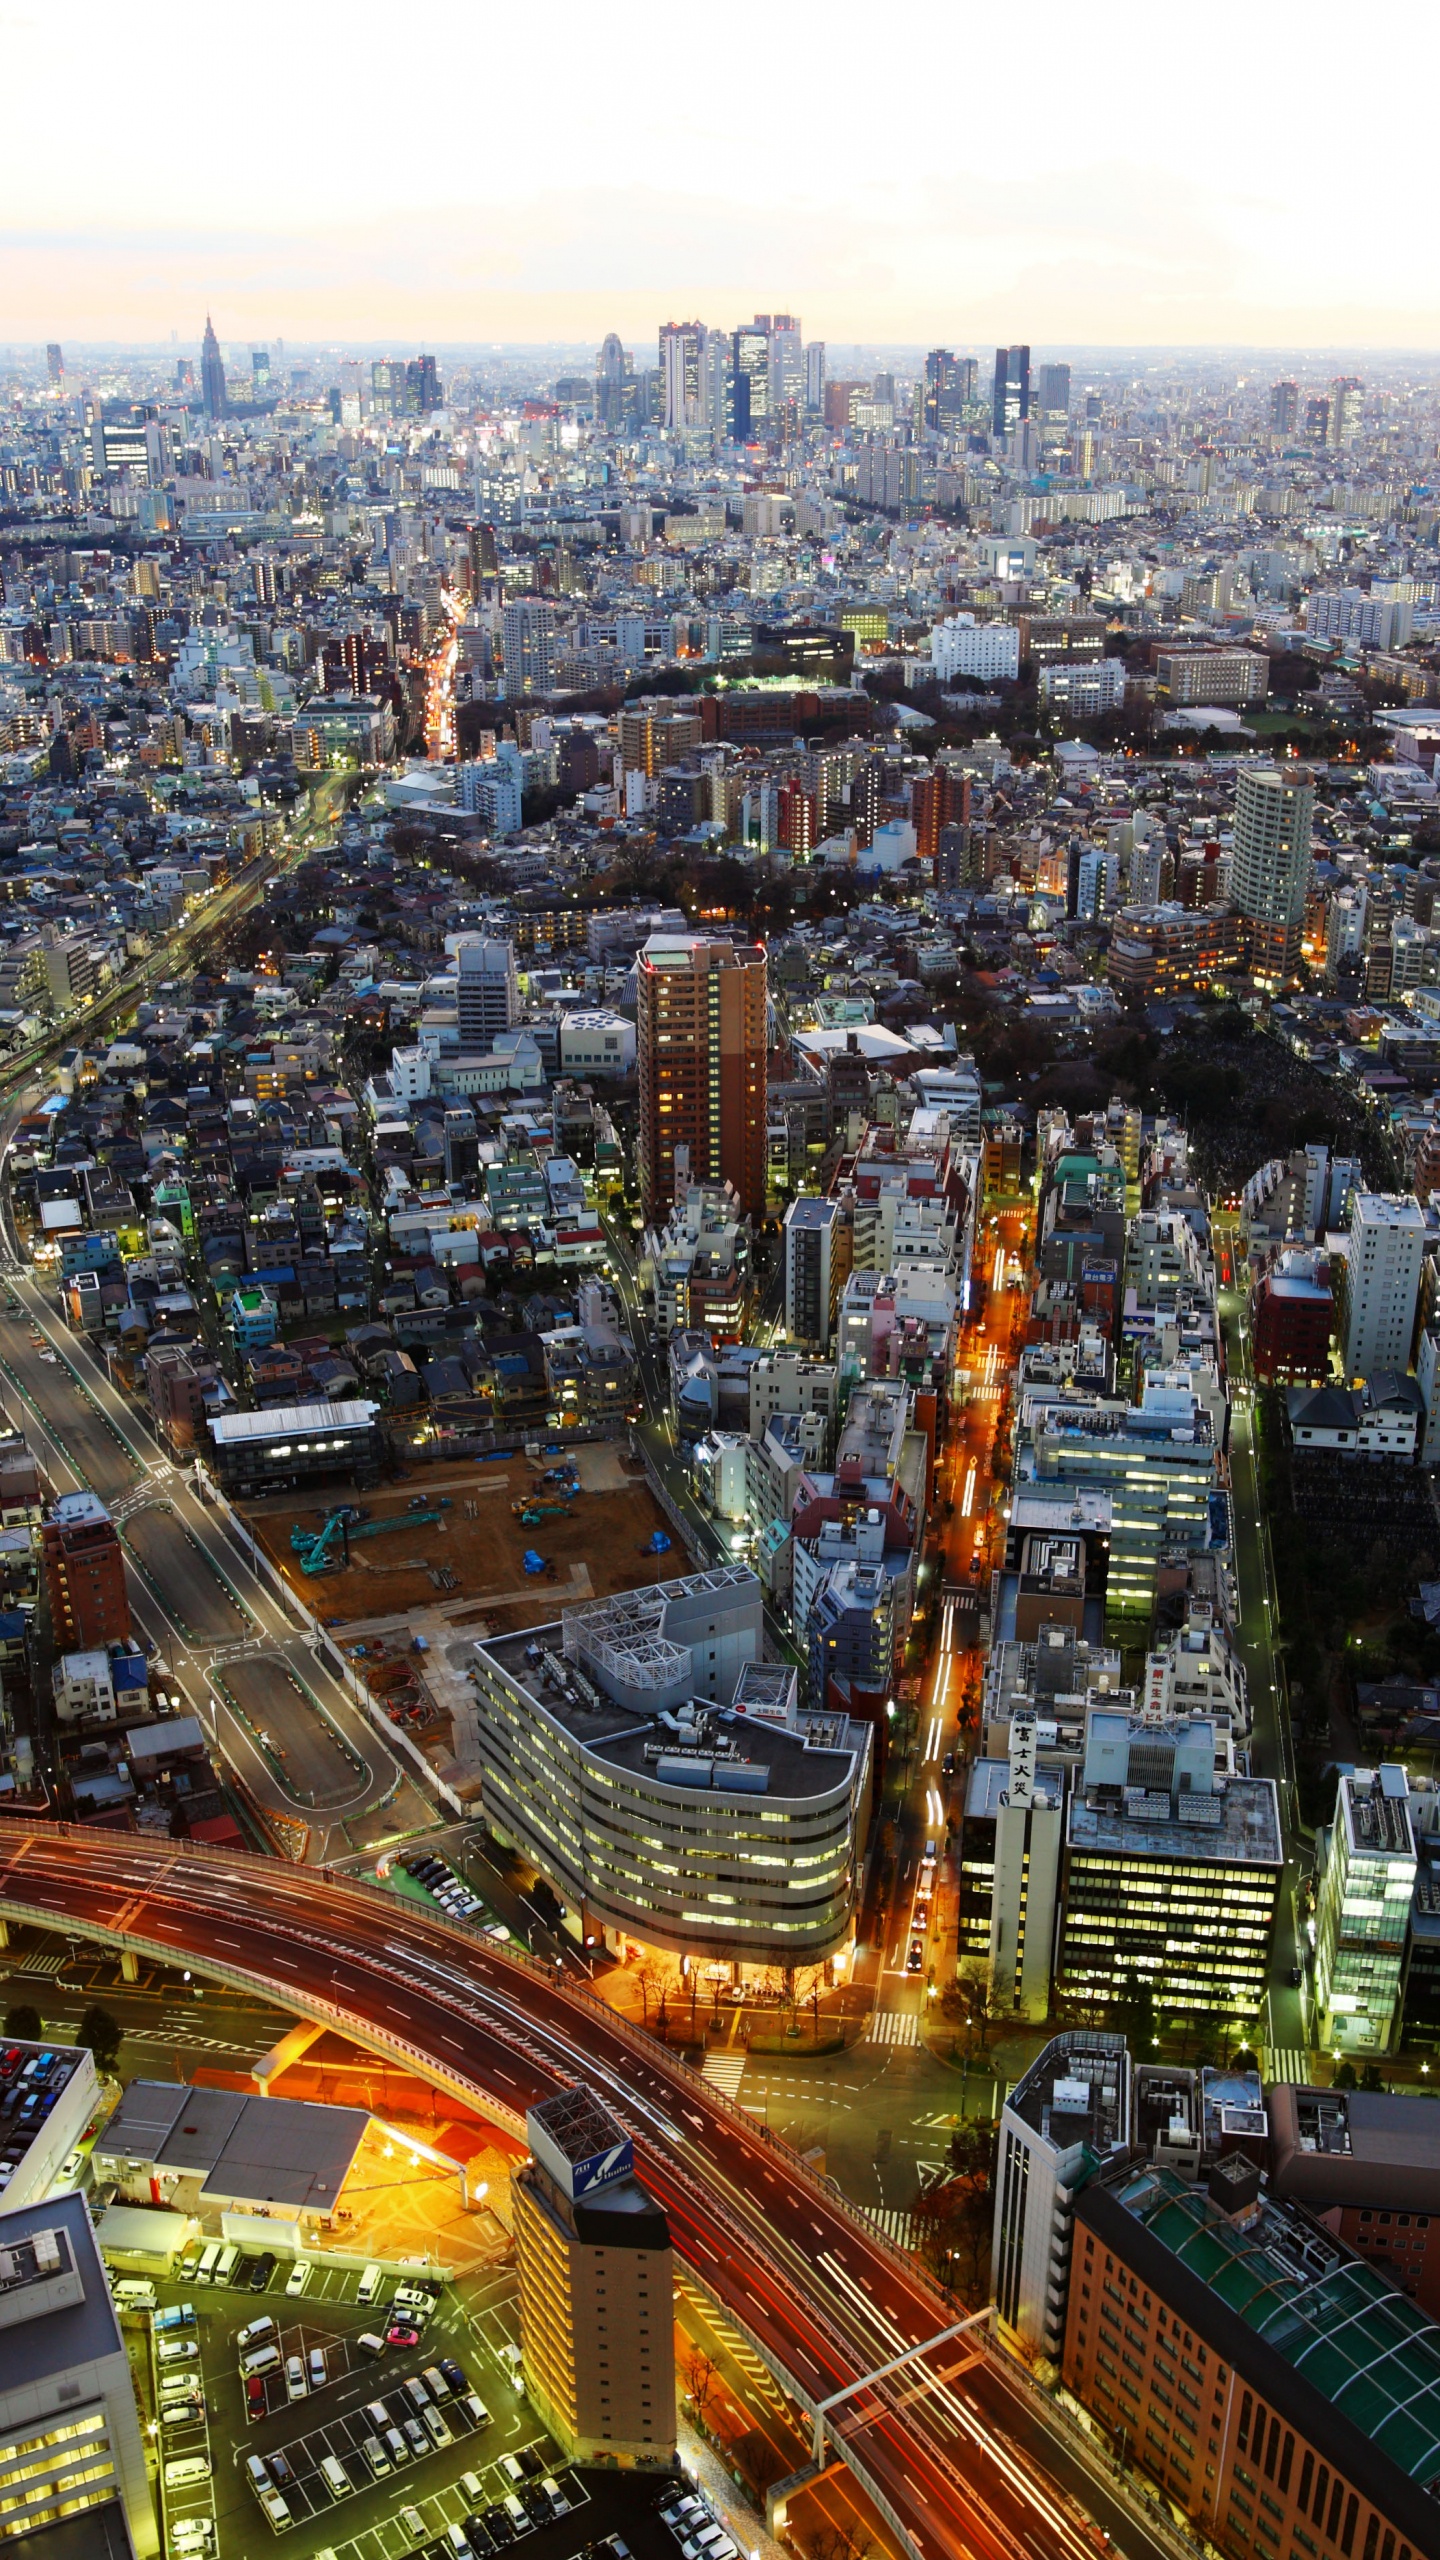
(1284, 408)
(942, 398)
(55, 362)
(212, 374)
(528, 634)
(787, 360)
(815, 375)
(422, 386)
(683, 373)
(1270, 868)
(1053, 384)
(752, 362)
(614, 376)
(1346, 395)
(260, 373)
(701, 1021)
(1011, 397)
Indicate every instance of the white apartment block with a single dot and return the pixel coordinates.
(1383, 1256)
(988, 651)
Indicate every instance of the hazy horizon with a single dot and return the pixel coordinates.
(1121, 182)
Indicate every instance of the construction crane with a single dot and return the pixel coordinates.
(317, 1548)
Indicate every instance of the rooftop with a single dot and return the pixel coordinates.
(230, 1428)
(1247, 1834)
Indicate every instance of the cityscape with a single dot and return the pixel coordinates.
(719, 1441)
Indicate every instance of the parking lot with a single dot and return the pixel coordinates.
(473, 2323)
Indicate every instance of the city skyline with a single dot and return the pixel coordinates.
(1131, 193)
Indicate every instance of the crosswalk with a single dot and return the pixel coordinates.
(896, 2221)
(41, 1963)
(725, 2071)
(893, 2026)
(1285, 2062)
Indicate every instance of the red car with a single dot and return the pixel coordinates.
(255, 2395)
(400, 2336)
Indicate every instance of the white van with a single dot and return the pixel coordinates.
(369, 2285)
(205, 2272)
(186, 2467)
(336, 2480)
(133, 2293)
(377, 2457)
(264, 2360)
(226, 2264)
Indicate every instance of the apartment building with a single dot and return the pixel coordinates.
(702, 1018)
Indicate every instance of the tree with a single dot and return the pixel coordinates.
(24, 2024)
(700, 2380)
(103, 2034)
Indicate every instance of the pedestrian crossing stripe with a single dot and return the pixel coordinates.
(1285, 2062)
(893, 2026)
(725, 2071)
(894, 2220)
(42, 1964)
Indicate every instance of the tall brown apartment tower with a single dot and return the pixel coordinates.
(702, 1009)
(84, 1574)
(597, 2291)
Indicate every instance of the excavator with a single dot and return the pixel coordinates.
(327, 1549)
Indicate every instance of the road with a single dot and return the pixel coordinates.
(823, 2297)
(261, 1687)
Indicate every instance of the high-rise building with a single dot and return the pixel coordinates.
(683, 373)
(212, 374)
(787, 361)
(1071, 2112)
(1053, 391)
(1317, 422)
(597, 2287)
(751, 365)
(614, 380)
(55, 362)
(1347, 394)
(487, 999)
(943, 400)
(1384, 1252)
(1010, 400)
(528, 632)
(815, 376)
(818, 1241)
(1284, 408)
(70, 2440)
(1362, 1914)
(1270, 868)
(701, 1023)
(260, 373)
(1255, 2366)
(84, 1575)
(422, 386)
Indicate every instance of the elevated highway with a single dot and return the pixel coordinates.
(825, 2299)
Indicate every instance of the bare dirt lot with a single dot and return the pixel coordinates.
(605, 1534)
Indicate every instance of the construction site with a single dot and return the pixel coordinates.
(497, 1540)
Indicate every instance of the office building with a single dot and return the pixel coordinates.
(750, 375)
(1172, 1866)
(1187, 677)
(597, 2287)
(1380, 1283)
(1365, 2162)
(614, 383)
(683, 374)
(214, 399)
(1284, 408)
(84, 1574)
(1010, 1851)
(1254, 2366)
(1083, 691)
(1010, 398)
(1270, 868)
(702, 1016)
(55, 363)
(487, 996)
(1347, 395)
(1368, 1866)
(818, 1235)
(1053, 391)
(610, 1759)
(1292, 1312)
(1069, 2114)
(988, 651)
(70, 2441)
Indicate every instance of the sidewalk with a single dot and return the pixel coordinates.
(730, 2503)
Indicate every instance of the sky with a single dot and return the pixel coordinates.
(1120, 175)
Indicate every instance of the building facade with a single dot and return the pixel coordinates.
(701, 1023)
